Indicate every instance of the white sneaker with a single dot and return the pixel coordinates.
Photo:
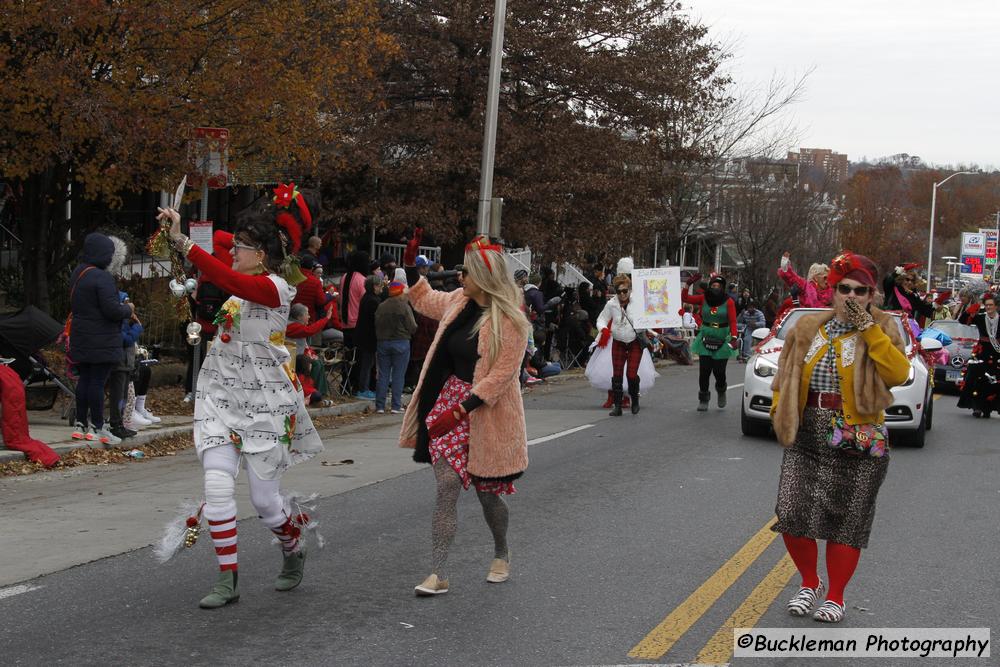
(188, 397)
(149, 416)
(138, 421)
(106, 437)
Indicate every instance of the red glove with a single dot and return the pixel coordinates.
(693, 278)
(445, 423)
(605, 336)
(413, 248)
(734, 343)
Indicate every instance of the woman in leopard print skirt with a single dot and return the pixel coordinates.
(830, 394)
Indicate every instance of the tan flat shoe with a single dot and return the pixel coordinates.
(431, 586)
(499, 571)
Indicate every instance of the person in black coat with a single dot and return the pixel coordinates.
(95, 343)
(364, 335)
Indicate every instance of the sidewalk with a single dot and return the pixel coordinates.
(56, 432)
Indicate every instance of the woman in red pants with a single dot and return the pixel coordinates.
(830, 393)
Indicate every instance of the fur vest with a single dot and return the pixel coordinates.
(878, 362)
(498, 442)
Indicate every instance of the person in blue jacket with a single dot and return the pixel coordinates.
(121, 376)
(95, 343)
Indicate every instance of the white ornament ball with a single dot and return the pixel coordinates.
(177, 289)
(190, 285)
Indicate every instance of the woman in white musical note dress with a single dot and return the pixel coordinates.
(249, 409)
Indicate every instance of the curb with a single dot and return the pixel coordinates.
(148, 435)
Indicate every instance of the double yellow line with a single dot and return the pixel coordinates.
(719, 648)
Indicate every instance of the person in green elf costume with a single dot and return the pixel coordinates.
(716, 342)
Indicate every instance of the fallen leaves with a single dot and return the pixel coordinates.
(166, 446)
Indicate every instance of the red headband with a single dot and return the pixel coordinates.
(482, 244)
(284, 195)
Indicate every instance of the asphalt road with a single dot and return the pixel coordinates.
(635, 540)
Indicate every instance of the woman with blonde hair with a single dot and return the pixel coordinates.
(814, 292)
(627, 349)
(466, 417)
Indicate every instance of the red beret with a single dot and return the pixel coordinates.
(855, 267)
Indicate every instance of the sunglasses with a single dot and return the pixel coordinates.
(241, 246)
(860, 290)
(622, 291)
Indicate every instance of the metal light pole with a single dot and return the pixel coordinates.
(930, 241)
(492, 102)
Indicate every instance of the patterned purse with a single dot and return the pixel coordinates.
(870, 439)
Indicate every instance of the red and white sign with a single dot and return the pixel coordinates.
(208, 157)
(200, 231)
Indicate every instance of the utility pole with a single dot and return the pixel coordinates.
(490, 133)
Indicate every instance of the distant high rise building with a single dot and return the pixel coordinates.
(815, 161)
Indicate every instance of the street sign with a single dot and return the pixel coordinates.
(972, 265)
(989, 249)
(208, 157)
(973, 243)
(200, 232)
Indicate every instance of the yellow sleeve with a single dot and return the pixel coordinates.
(891, 364)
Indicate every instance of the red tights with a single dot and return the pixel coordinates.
(841, 561)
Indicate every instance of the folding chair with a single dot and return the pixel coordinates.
(339, 361)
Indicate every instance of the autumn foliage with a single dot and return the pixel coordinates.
(100, 96)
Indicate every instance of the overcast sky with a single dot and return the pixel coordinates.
(891, 76)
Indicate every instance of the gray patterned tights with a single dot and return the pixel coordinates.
(445, 519)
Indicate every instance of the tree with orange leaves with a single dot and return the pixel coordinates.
(98, 97)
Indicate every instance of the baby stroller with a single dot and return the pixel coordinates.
(22, 335)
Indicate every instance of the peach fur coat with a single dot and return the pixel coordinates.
(871, 393)
(498, 441)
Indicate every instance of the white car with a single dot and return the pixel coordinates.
(908, 418)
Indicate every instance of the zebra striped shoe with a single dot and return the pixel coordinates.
(830, 612)
(803, 602)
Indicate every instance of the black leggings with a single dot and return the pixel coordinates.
(90, 392)
(708, 366)
(142, 376)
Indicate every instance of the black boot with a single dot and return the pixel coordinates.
(616, 391)
(633, 392)
(703, 397)
(721, 397)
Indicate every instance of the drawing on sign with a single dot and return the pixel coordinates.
(659, 292)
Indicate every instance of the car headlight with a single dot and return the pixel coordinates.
(909, 378)
(764, 368)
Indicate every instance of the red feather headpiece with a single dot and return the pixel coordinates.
(284, 196)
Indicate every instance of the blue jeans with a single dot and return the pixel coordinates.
(393, 357)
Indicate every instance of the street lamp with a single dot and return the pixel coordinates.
(950, 259)
(930, 241)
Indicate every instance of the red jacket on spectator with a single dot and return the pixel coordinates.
(299, 330)
(311, 294)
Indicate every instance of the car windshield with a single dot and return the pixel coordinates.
(790, 320)
(794, 315)
(955, 329)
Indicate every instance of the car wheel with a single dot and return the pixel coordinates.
(754, 428)
(929, 412)
(919, 437)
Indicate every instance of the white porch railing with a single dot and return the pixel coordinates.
(396, 250)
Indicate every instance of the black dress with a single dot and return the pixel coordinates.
(981, 384)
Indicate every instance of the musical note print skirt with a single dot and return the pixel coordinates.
(248, 395)
(454, 446)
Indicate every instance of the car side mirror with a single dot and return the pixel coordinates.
(930, 344)
(759, 334)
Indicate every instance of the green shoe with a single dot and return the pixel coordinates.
(291, 571)
(226, 590)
